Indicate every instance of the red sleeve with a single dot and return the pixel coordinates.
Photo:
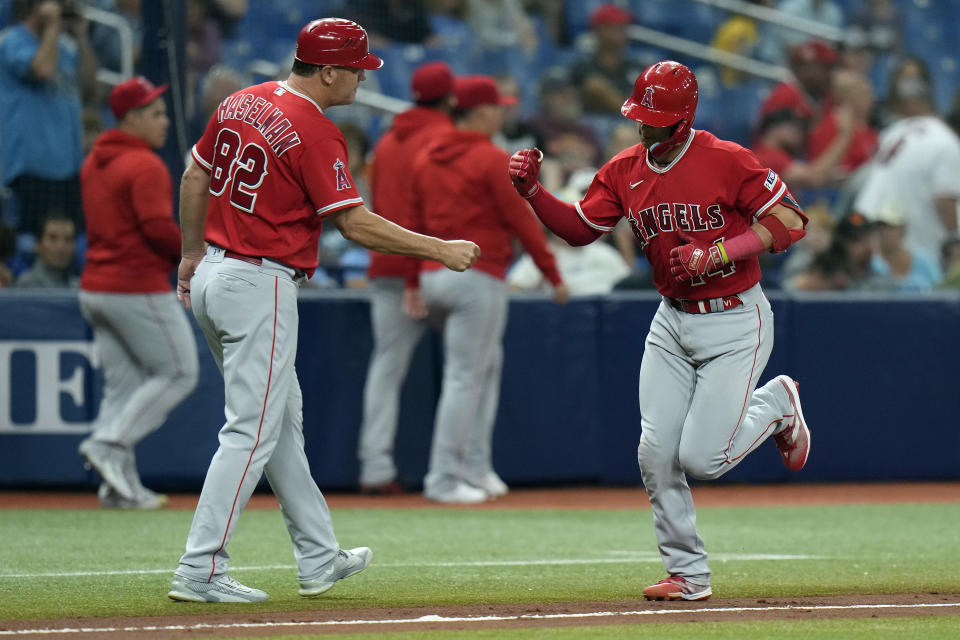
(600, 208)
(516, 214)
(326, 176)
(562, 218)
(758, 187)
(202, 152)
(163, 235)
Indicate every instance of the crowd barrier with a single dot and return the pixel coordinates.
(878, 375)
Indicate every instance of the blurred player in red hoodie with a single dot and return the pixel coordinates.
(461, 190)
(393, 278)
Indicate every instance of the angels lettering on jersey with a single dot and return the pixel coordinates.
(673, 216)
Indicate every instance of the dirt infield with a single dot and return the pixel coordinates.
(487, 616)
(509, 616)
(577, 498)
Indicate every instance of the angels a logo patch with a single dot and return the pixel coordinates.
(648, 98)
(342, 181)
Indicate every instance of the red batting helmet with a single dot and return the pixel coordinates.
(664, 95)
(335, 41)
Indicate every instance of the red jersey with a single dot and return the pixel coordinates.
(463, 192)
(863, 143)
(277, 166)
(390, 181)
(124, 184)
(714, 189)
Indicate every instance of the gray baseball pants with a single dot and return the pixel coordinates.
(145, 345)
(473, 308)
(395, 337)
(248, 314)
(701, 413)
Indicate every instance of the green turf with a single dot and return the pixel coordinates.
(443, 556)
(852, 629)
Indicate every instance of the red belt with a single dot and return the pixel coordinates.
(710, 305)
(297, 273)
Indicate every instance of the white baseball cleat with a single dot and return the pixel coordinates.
(224, 589)
(793, 441)
(492, 484)
(345, 564)
(108, 461)
(462, 493)
(145, 499)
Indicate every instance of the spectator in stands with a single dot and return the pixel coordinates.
(389, 21)
(854, 238)
(104, 38)
(739, 34)
(903, 268)
(46, 66)
(877, 23)
(569, 142)
(8, 248)
(780, 143)
(55, 249)
(518, 132)
(951, 264)
(916, 170)
(853, 94)
(909, 69)
(827, 271)
(784, 39)
(501, 24)
(811, 64)
(818, 240)
(219, 82)
(605, 77)
(589, 270)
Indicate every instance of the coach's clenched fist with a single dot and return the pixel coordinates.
(458, 255)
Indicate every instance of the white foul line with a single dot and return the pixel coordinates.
(634, 558)
(436, 618)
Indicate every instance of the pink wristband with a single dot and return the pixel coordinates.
(745, 245)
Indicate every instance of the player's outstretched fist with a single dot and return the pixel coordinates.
(458, 255)
(695, 258)
(524, 171)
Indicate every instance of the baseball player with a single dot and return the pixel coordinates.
(702, 210)
(268, 171)
(396, 307)
(461, 192)
(142, 337)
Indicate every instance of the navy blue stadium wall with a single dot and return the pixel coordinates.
(878, 380)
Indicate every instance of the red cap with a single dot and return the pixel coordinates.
(135, 92)
(813, 51)
(610, 14)
(431, 81)
(473, 91)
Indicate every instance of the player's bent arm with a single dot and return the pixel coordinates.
(363, 227)
(562, 218)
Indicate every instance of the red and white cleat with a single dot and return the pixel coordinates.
(794, 441)
(676, 588)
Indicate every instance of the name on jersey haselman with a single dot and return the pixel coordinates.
(263, 116)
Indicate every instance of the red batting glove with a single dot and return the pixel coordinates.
(692, 260)
(525, 170)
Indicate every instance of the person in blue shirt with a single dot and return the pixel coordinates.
(47, 67)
